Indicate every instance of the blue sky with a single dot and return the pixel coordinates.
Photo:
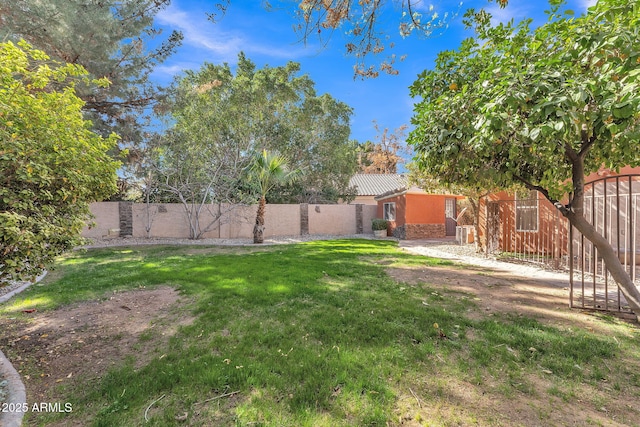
(267, 37)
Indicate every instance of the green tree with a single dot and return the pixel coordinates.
(546, 107)
(199, 162)
(111, 39)
(52, 164)
(219, 117)
(266, 170)
(315, 137)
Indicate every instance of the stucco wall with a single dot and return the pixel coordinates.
(369, 212)
(230, 221)
(401, 207)
(279, 220)
(332, 219)
(167, 220)
(425, 208)
(364, 200)
(106, 218)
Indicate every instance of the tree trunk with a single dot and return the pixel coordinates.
(258, 229)
(148, 206)
(574, 212)
(475, 211)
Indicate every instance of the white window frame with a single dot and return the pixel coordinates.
(389, 211)
(527, 212)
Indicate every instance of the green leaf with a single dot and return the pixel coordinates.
(623, 110)
(534, 134)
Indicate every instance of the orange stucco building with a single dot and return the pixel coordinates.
(531, 224)
(415, 214)
(526, 224)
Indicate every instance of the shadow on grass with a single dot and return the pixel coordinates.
(309, 334)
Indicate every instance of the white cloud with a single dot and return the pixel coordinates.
(587, 3)
(213, 44)
(200, 33)
(519, 9)
(514, 11)
(175, 68)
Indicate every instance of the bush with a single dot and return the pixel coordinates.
(379, 224)
(52, 165)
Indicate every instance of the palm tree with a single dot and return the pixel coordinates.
(267, 170)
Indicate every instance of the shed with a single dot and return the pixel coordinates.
(415, 214)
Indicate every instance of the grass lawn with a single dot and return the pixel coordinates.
(319, 334)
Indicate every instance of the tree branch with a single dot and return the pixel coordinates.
(564, 209)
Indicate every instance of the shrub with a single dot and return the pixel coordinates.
(379, 224)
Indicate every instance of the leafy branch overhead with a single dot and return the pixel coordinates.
(111, 39)
(365, 30)
(361, 24)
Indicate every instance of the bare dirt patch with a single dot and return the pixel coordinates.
(496, 292)
(82, 341)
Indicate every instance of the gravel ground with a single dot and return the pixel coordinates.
(467, 254)
(12, 286)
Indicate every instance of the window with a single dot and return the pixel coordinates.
(527, 212)
(390, 211)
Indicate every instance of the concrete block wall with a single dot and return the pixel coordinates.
(106, 221)
(332, 219)
(165, 220)
(224, 221)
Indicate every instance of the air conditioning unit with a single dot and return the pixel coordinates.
(464, 234)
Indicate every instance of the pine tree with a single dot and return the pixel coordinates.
(111, 39)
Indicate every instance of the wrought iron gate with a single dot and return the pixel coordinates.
(612, 205)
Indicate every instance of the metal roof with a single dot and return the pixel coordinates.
(376, 184)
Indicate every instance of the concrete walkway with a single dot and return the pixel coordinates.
(465, 254)
(16, 402)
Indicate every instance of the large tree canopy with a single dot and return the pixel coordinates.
(224, 116)
(537, 108)
(51, 164)
(111, 39)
